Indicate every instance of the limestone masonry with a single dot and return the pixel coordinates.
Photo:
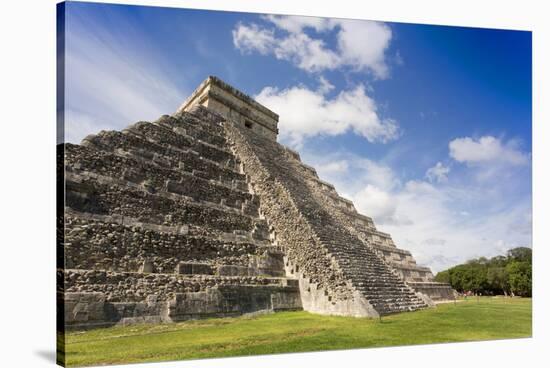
(202, 213)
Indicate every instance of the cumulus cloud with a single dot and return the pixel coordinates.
(367, 183)
(438, 173)
(248, 38)
(377, 203)
(340, 166)
(441, 222)
(333, 167)
(487, 149)
(306, 113)
(324, 86)
(360, 45)
(296, 23)
(440, 238)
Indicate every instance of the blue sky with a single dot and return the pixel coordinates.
(426, 128)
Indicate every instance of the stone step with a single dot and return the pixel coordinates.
(185, 159)
(135, 286)
(110, 198)
(155, 178)
(346, 252)
(203, 118)
(188, 125)
(94, 244)
(259, 236)
(164, 136)
(206, 131)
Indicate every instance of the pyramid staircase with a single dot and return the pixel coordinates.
(363, 270)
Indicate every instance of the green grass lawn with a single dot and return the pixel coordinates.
(490, 318)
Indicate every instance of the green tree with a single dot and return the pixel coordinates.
(521, 254)
(497, 275)
(443, 276)
(498, 261)
(498, 280)
(520, 278)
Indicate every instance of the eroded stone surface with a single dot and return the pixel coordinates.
(199, 214)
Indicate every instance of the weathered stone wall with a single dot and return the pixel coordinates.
(436, 291)
(84, 309)
(160, 225)
(235, 106)
(136, 287)
(186, 160)
(92, 309)
(103, 298)
(105, 196)
(163, 135)
(233, 301)
(115, 247)
(159, 178)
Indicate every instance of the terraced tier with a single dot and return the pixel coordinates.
(156, 178)
(102, 298)
(111, 246)
(162, 135)
(107, 196)
(185, 160)
(138, 287)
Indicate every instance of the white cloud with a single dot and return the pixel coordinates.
(360, 44)
(296, 23)
(376, 202)
(433, 212)
(444, 224)
(435, 241)
(253, 38)
(367, 183)
(438, 173)
(377, 174)
(363, 44)
(325, 86)
(108, 85)
(333, 167)
(487, 149)
(338, 167)
(306, 113)
(306, 53)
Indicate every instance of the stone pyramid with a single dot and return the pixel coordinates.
(202, 213)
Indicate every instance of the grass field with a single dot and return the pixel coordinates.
(488, 318)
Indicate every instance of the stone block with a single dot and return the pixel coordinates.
(185, 268)
(232, 270)
(84, 308)
(146, 266)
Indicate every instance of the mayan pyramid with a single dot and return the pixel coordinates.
(202, 213)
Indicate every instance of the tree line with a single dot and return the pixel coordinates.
(501, 275)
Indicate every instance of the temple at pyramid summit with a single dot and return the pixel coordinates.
(203, 214)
